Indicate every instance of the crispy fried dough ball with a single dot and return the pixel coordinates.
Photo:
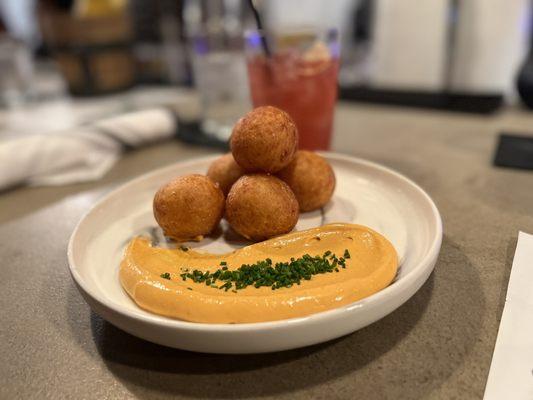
(261, 206)
(225, 171)
(188, 207)
(264, 140)
(311, 178)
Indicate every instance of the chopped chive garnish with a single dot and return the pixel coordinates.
(266, 273)
(165, 275)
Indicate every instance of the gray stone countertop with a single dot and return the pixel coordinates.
(437, 346)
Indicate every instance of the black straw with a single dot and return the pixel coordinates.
(259, 24)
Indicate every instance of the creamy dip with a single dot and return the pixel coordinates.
(371, 267)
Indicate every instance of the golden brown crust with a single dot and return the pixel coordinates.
(311, 178)
(261, 206)
(188, 207)
(265, 139)
(225, 171)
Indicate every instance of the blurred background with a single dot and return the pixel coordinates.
(65, 63)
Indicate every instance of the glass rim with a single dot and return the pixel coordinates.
(254, 38)
(319, 30)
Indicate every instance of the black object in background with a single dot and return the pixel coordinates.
(514, 151)
(457, 102)
(363, 19)
(524, 83)
(191, 132)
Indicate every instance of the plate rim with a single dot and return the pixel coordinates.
(167, 322)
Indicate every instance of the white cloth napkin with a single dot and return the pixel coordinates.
(82, 154)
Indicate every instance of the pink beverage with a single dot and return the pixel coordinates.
(302, 82)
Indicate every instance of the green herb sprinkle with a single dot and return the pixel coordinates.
(266, 273)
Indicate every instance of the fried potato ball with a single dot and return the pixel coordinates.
(188, 207)
(264, 140)
(261, 206)
(225, 171)
(311, 178)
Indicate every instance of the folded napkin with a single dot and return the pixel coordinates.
(82, 154)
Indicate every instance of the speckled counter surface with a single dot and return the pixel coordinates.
(436, 346)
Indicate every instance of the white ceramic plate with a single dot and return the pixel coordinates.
(366, 193)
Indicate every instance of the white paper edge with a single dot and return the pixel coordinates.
(511, 370)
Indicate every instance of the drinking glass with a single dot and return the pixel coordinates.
(16, 76)
(214, 30)
(299, 75)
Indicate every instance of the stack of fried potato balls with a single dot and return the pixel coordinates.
(262, 184)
